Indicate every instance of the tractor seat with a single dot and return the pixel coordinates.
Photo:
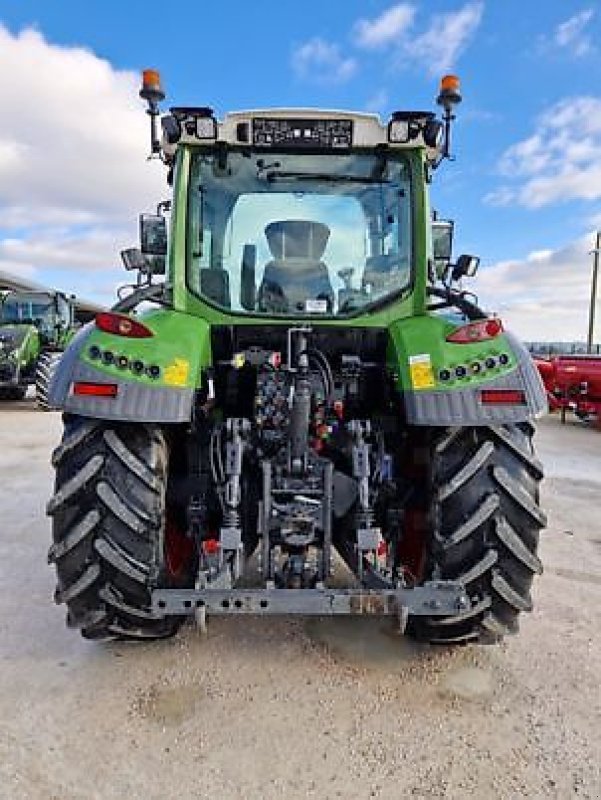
(296, 273)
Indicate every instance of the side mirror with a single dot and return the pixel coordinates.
(442, 240)
(153, 235)
(466, 266)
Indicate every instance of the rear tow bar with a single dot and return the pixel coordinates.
(434, 598)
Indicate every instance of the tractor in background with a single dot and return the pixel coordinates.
(35, 328)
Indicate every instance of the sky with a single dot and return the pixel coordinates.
(524, 189)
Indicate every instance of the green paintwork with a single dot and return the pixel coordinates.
(427, 335)
(17, 363)
(30, 347)
(180, 347)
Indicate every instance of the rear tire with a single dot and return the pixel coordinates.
(109, 512)
(46, 367)
(484, 528)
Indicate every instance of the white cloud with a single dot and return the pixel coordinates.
(446, 37)
(322, 62)
(544, 296)
(11, 269)
(436, 48)
(73, 146)
(384, 29)
(561, 161)
(571, 33)
(503, 196)
(80, 140)
(66, 248)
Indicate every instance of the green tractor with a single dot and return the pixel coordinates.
(312, 416)
(35, 328)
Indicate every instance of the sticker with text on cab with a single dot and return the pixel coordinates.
(420, 370)
(317, 306)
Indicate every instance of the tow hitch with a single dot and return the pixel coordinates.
(435, 598)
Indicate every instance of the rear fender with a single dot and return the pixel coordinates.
(424, 366)
(155, 377)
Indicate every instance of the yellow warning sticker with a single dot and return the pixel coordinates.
(176, 374)
(420, 370)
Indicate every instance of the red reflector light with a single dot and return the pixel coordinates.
(210, 546)
(382, 548)
(95, 389)
(507, 397)
(478, 331)
(121, 325)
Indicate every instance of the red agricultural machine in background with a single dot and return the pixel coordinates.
(573, 383)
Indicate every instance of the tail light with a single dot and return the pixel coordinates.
(122, 325)
(503, 397)
(87, 389)
(478, 331)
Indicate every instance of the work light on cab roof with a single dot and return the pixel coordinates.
(306, 129)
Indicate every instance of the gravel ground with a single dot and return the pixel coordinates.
(293, 709)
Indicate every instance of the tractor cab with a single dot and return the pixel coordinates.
(296, 234)
(50, 312)
(301, 213)
(35, 327)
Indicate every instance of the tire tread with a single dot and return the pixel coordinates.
(485, 525)
(107, 514)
